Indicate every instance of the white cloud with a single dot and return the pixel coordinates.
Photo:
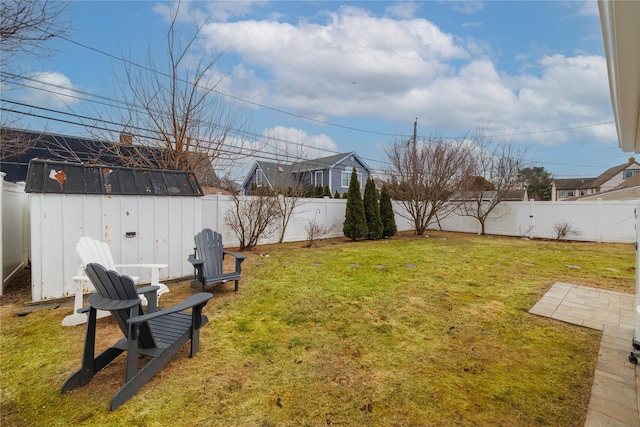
(467, 6)
(588, 7)
(218, 10)
(354, 57)
(403, 9)
(355, 64)
(50, 89)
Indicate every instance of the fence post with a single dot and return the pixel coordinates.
(532, 221)
(599, 220)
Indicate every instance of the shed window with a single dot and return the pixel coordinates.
(319, 179)
(259, 178)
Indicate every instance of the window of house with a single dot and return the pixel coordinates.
(570, 193)
(583, 192)
(562, 194)
(319, 178)
(345, 178)
(628, 173)
(259, 178)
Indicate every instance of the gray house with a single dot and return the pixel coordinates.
(331, 171)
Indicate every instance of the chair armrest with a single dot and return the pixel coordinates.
(199, 299)
(158, 266)
(237, 256)
(195, 261)
(150, 297)
(102, 303)
(147, 289)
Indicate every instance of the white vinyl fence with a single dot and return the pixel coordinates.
(14, 233)
(597, 221)
(154, 229)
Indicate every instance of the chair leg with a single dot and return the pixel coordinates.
(236, 287)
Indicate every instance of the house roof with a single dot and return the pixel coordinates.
(277, 173)
(29, 145)
(46, 176)
(587, 183)
(634, 181)
(517, 195)
(573, 183)
(611, 172)
(326, 162)
(20, 146)
(271, 170)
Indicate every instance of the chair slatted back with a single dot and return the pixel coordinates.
(92, 250)
(109, 284)
(209, 249)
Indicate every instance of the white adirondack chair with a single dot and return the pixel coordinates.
(94, 251)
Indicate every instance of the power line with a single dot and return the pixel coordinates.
(235, 98)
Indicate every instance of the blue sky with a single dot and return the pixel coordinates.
(353, 76)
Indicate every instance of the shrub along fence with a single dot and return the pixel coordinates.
(596, 221)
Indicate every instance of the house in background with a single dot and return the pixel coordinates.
(19, 147)
(574, 188)
(515, 195)
(331, 171)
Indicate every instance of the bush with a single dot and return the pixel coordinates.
(565, 228)
(315, 232)
(387, 216)
(372, 210)
(355, 222)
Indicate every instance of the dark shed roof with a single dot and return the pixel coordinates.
(45, 176)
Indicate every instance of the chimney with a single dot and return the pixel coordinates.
(126, 138)
(632, 159)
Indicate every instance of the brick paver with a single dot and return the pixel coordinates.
(615, 393)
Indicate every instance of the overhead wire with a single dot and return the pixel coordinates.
(249, 135)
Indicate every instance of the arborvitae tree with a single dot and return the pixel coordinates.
(386, 214)
(319, 191)
(355, 223)
(327, 191)
(372, 210)
(337, 195)
(345, 195)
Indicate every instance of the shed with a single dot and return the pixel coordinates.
(145, 215)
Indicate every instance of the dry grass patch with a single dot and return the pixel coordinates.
(407, 331)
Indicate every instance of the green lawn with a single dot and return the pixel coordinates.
(411, 331)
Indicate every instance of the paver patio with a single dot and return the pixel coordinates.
(615, 393)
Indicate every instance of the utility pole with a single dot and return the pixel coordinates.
(415, 131)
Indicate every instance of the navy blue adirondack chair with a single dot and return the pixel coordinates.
(208, 260)
(157, 334)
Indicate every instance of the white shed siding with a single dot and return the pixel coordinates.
(164, 228)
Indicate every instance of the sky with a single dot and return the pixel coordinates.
(334, 76)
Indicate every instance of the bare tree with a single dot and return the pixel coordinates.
(13, 143)
(565, 228)
(26, 26)
(424, 174)
(178, 118)
(495, 175)
(252, 218)
(315, 231)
